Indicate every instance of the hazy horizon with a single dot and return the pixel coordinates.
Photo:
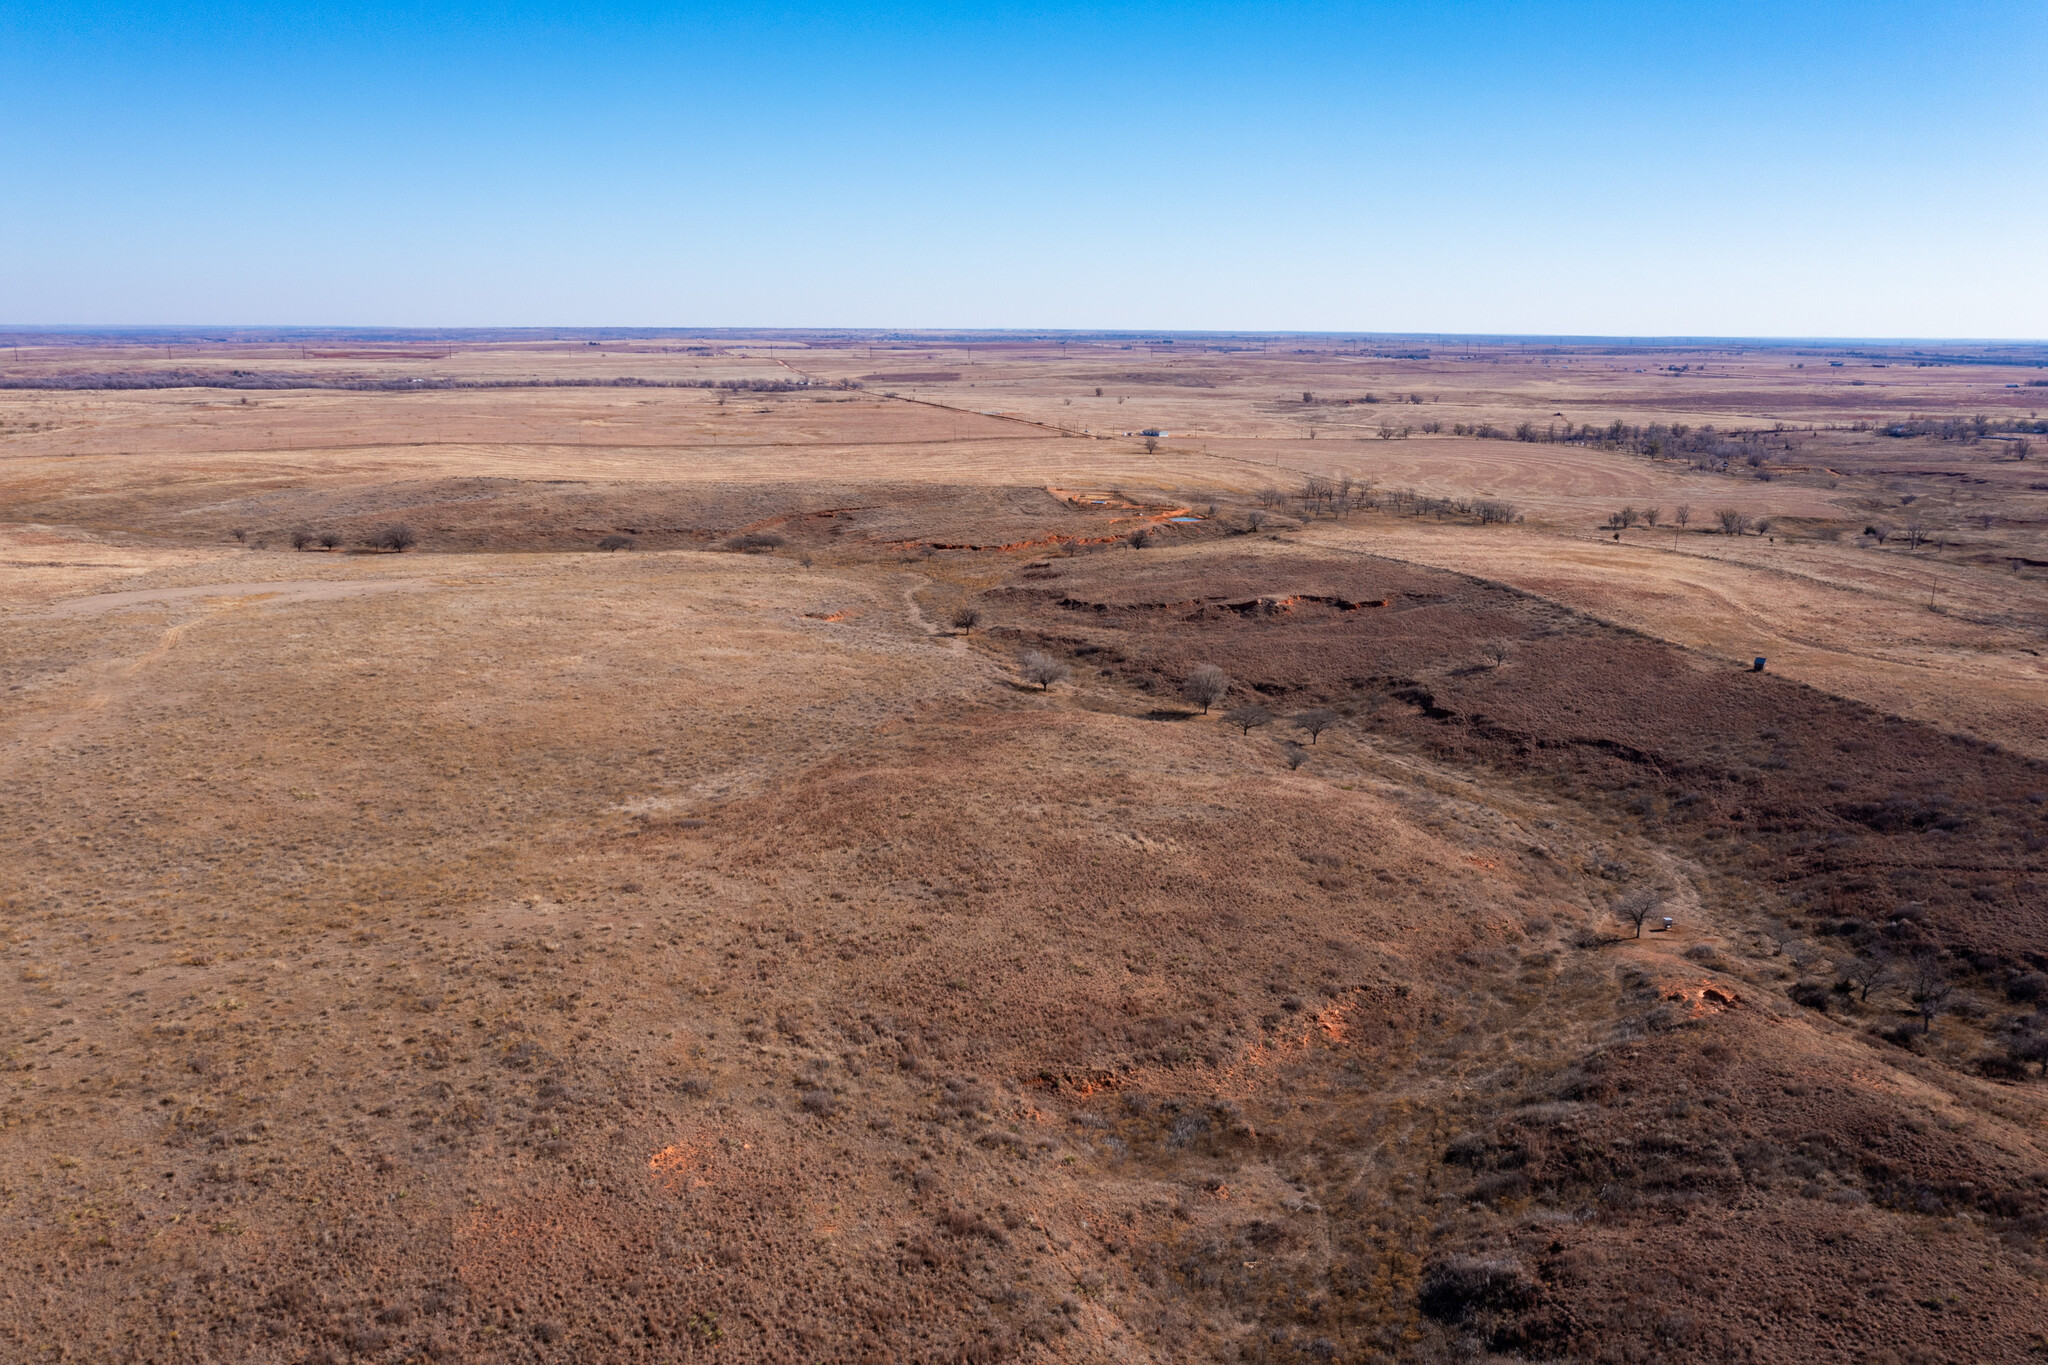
(460, 331)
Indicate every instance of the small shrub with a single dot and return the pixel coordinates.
(1809, 995)
(965, 619)
(756, 543)
(2027, 988)
(1459, 1288)
(614, 543)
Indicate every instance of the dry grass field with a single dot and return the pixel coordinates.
(655, 910)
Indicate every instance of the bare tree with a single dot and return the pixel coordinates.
(1651, 516)
(1916, 533)
(1929, 988)
(1314, 721)
(1637, 906)
(1270, 497)
(241, 535)
(330, 540)
(1294, 754)
(1249, 716)
(1733, 521)
(1043, 670)
(1151, 444)
(302, 538)
(1139, 538)
(1205, 686)
(1492, 510)
(397, 538)
(1880, 531)
(965, 619)
(1682, 514)
(613, 544)
(1254, 520)
(1495, 652)
(2022, 448)
(1869, 974)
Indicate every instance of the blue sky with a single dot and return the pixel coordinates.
(1735, 169)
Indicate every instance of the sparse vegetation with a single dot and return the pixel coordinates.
(678, 900)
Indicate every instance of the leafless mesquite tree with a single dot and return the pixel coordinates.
(613, 544)
(1872, 974)
(1043, 670)
(1929, 988)
(1313, 722)
(1682, 514)
(1651, 516)
(302, 538)
(1733, 521)
(1637, 906)
(1248, 717)
(1294, 754)
(965, 619)
(1495, 652)
(1205, 686)
(1151, 444)
(397, 538)
(330, 540)
(1254, 520)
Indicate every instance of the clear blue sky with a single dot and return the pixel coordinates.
(1874, 169)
